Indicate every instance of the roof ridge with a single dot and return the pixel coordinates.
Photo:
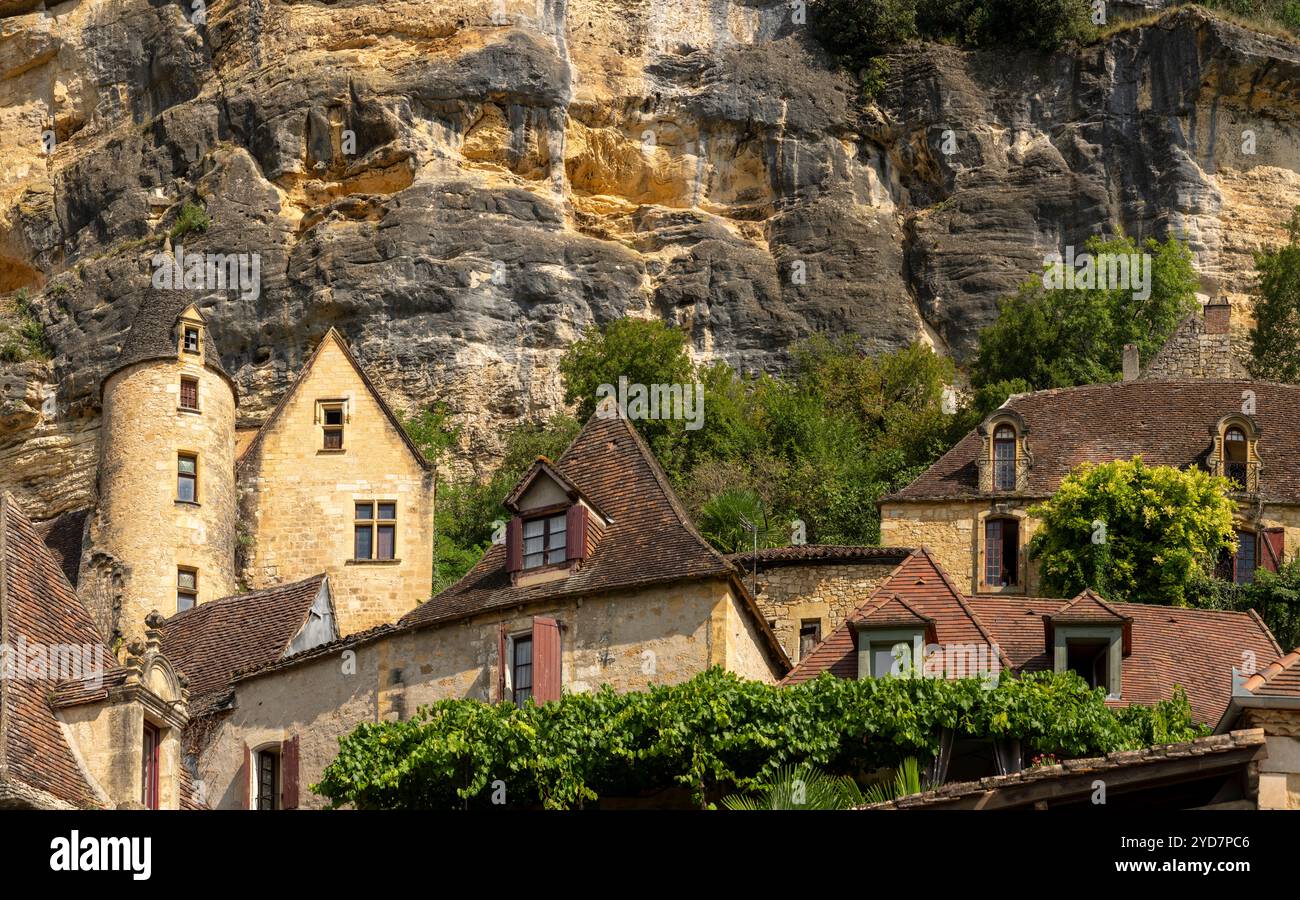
(966, 608)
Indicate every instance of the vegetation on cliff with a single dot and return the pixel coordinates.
(1275, 337)
(22, 336)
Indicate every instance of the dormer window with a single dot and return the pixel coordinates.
(1004, 458)
(545, 541)
(1235, 454)
(190, 343)
(1094, 654)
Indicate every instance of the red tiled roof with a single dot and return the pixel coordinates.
(1280, 679)
(1087, 608)
(1194, 648)
(211, 642)
(1167, 423)
(891, 612)
(39, 606)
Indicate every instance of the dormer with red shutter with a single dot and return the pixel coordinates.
(554, 527)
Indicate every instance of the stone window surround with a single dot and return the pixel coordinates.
(1114, 634)
(344, 405)
(1024, 459)
(913, 637)
(1001, 511)
(185, 324)
(1218, 455)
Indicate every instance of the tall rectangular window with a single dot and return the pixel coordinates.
(190, 393)
(544, 541)
(268, 779)
(149, 766)
(1001, 552)
(1243, 569)
(332, 416)
(187, 478)
(810, 635)
(375, 530)
(191, 339)
(187, 588)
(521, 669)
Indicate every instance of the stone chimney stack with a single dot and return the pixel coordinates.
(1218, 315)
(1132, 362)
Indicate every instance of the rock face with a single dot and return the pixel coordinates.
(463, 187)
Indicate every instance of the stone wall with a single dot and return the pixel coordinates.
(661, 635)
(1279, 773)
(789, 595)
(1191, 352)
(297, 500)
(140, 532)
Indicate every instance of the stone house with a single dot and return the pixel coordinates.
(806, 591)
(1192, 408)
(1136, 652)
(600, 579)
(191, 508)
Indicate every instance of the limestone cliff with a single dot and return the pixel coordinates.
(463, 186)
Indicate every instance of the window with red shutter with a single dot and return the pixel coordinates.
(515, 545)
(289, 773)
(577, 531)
(1274, 542)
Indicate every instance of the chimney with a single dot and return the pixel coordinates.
(1218, 314)
(1131, 362)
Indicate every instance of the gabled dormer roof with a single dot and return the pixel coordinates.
(154, 334)
(544, 468)
(892, 612)
(1088, 609)
(333, 337)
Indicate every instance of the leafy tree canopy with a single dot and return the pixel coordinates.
(1275, 338)
(1132, 532)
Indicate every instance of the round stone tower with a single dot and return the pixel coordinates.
(164, 532)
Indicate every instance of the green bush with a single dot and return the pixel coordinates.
(23, 338)
(715, 733)
(192, 218)
(1275, 596)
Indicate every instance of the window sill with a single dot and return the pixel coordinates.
(372, 562)
(329, 452)
(188, 411)
(193, 503)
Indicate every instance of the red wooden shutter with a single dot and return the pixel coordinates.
(246, 776)
(1274, 548)
(515, 545)
(546, 659)
(502, 662)
(575, 526)
(289, 773)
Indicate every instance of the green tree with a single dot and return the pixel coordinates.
(1275, 338)
(1056, 337)
(723, 522)
(1132, 532)
(1275, 596)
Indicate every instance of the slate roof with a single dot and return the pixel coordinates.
(252, 448)
(212, 641)
(38, 605)
(1280, 679)
(649, 538)
(1165, 422)
(153, 334)
(805, 554)
(1194, 648)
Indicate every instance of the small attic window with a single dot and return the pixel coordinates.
(1094, 653)
(332, 418)
(1004, 458)
(190, 339)
(545, 541)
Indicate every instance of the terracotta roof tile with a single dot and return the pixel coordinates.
(1280, 679)
(38, 606)
(813, 553)
(1165, 422)
(1194, 648)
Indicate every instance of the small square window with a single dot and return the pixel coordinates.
(810, 635)
(544, 541)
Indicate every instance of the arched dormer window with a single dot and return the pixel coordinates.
(1004, 458)
(1235, 454)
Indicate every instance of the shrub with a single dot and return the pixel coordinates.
(192, 218)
